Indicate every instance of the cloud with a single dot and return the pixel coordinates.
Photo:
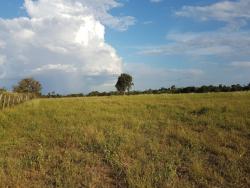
(222, 53)
(77, 8)
(147, 22)
(224, 43)
(241, 64)
(149, 76)
(156, 1)
(235, 13)
(62, 43)
(217, 43)
(2, 63)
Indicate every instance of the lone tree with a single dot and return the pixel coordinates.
(28, 85)
(124, 83)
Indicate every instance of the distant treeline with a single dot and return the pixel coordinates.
(172, 90)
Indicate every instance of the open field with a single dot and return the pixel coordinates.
(192, 140)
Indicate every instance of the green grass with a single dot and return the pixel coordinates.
(192, 140)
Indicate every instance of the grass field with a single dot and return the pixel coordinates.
(192, 140)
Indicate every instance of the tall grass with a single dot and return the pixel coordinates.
(186, 140)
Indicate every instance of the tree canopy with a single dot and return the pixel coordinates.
(124, 83)
(28, 85)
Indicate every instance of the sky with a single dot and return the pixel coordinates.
(74, 46)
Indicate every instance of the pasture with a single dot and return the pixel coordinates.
(185, 140)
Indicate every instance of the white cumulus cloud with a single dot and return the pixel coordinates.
(62, 43)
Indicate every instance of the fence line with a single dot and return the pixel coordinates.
(11, 99)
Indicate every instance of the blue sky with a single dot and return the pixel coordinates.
(170, 42)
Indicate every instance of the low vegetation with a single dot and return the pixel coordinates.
(186, 140)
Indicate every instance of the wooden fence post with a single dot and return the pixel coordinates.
(4, 101)
(13, 100)
(1, 96)
(8, 104)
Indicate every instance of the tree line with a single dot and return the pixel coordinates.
(174, 90)
(123, 85)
